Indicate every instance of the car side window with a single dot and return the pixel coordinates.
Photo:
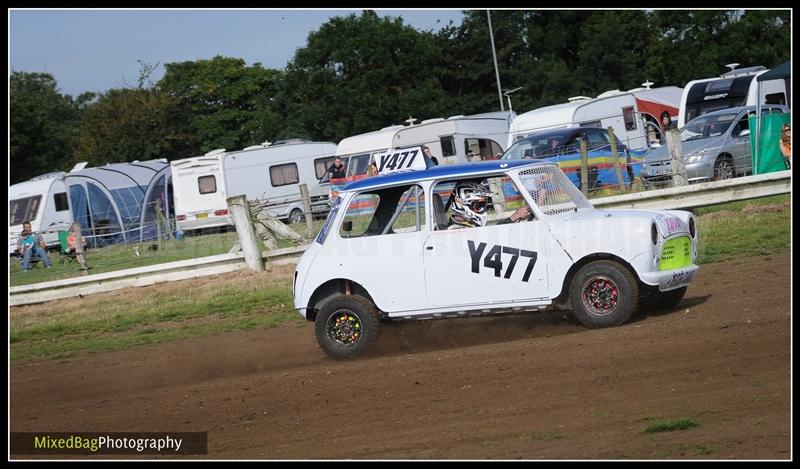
(384, 212)
(742, 125)
(477, 203)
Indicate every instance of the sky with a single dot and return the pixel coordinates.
(96, 50)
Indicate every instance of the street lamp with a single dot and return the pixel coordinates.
(494, 56)
(507, 94)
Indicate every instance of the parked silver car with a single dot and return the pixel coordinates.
(715, 145)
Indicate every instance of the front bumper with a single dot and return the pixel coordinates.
(670, 279)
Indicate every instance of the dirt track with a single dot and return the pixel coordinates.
(531, 387)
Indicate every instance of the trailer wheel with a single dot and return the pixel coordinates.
(603, 294)
(346, 326)
(295, 216)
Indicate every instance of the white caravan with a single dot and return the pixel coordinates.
(634, 114)
(457, 139)
(270, 172)
(735, 88)
(44, 202)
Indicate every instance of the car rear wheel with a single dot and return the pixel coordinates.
(603, 294)
(346, 326)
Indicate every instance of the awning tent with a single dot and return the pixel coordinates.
(111, 202)
(781, 72)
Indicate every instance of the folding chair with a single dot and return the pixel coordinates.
(64, 251)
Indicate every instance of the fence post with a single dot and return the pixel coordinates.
(499, 198)
(584, 168)
(615, 159)
(240, 212)
(676, 155)
(307, 210)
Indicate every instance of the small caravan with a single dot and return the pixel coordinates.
(634, 114)
(42, 201)
(457, 139)
(734, 88)
(270, 172)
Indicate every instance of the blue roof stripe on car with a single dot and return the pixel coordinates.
(440, 172)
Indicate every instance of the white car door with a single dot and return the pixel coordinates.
(492, 264)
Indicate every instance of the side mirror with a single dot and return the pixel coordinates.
(744, 133)
(347, 226)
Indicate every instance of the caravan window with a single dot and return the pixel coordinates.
(207, 184)
(24, 209)
(283, 174)
(358, 165)
(629, 117)
(448, 145)
(321, 166)
(775, 98)
(60, 200)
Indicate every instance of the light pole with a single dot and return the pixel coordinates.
(494, 56)
(507, 94)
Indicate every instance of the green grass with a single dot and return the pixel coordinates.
(115, 322)
(672, 425)
(120, 257)
(743, 229)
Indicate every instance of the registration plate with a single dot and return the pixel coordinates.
(201, 215)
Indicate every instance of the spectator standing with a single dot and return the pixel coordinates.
(786, 144)
(337, 169)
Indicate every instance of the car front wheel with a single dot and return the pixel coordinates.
(723, 169)
(603, 294)
(346, 326)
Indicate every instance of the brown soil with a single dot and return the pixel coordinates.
(529, 387)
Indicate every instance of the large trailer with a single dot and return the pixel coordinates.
(270, 173)
(734, 88)
(635, 115)
(456, 139)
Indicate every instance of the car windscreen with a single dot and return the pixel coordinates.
(535, 147)
(707, 126)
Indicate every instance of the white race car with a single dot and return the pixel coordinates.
(484, 238)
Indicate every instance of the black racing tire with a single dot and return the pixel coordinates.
(346, 326)
(603, 294)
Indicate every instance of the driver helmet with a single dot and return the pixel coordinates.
(469, 204)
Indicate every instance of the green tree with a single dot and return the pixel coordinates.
(41, 125)
(229, 104)
(361, 72)
(132, 124)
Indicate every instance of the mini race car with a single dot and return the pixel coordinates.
(502, 236)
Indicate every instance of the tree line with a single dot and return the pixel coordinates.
(362, 72)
